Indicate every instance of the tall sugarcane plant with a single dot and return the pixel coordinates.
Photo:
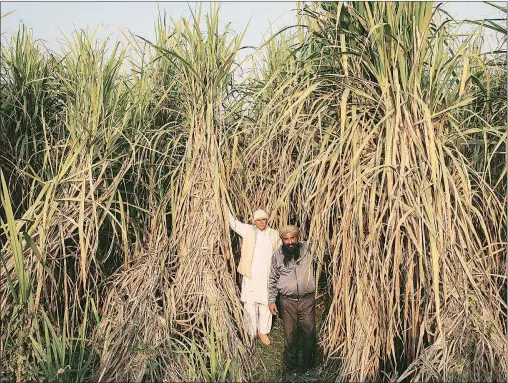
(379, 128)
(375, 159)
(72, 171)
(198, 282)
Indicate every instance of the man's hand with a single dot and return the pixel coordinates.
(273, 309)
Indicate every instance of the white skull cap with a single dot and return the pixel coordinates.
(260, 214)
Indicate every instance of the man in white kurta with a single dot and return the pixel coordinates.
(260, 242)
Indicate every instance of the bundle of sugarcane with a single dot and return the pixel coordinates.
(201, 286)
(376, 146)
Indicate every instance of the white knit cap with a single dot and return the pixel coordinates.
(260, 214)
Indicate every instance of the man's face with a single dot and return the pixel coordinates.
(260, 223)
(290, 240)
(290, 247)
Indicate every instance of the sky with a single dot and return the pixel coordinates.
(48, 18)
(139, 17)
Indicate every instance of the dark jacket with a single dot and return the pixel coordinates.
(295, 280)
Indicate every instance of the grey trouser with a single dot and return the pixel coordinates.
(298, 313)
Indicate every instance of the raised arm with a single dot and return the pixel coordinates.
(239, 227)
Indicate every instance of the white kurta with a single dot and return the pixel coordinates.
(254, 292)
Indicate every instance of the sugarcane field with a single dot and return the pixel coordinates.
(330, 207)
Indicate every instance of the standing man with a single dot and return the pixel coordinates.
(259, 243)
(292, 275)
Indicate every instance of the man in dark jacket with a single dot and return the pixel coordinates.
(292, 275)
